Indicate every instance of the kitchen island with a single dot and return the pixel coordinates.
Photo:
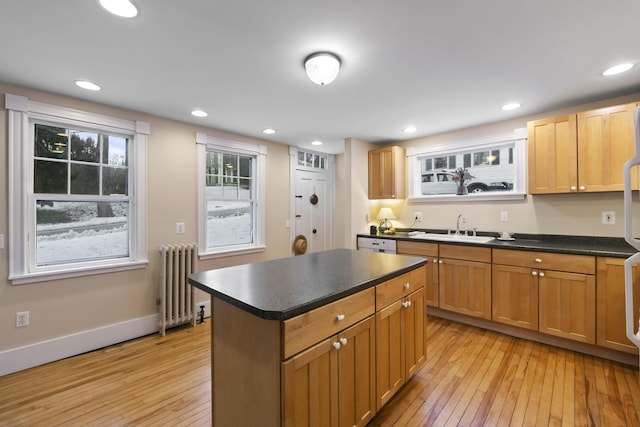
(278, 326)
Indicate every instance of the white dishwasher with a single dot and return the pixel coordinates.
(373, 244)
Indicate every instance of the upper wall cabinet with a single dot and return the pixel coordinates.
(582, 152)
(387, 173)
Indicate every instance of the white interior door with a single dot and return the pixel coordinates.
(312, 219)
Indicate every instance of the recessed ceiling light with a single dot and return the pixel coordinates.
(410, 129)
(199, 113)
(269, 131)
(123, 8)
(617, 69)
(85, 84)
(316, 143)
(511, 106)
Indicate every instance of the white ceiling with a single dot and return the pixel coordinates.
(436, 64)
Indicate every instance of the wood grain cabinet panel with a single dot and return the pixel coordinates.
(610, 316)
(515, 296)
(465, 287)
(568, 305)
(401, 344)
(333, 382)
(387, 173)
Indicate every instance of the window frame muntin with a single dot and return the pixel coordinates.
(21, 112)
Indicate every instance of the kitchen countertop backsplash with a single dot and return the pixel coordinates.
(578, 245)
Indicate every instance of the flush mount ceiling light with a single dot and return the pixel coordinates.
(86, 84)
(199, 113)
(617, 69)
(268, 131)
(123, 8)
(409, 129)
(322, 67)
(316, 143)
(511, 106)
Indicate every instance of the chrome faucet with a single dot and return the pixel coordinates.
(460, 217)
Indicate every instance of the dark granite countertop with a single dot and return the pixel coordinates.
(283, 288)
(579, 245)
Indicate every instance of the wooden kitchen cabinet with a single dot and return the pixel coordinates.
(401, 341)
(515, 296)
(582, 152)
(428, 251)
(465, 280)
(566, 291)
(610, 315)
(605, 143)
(387, 173)
(333, 382)
(553, 162)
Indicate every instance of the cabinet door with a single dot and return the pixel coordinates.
(415, 332)
(611, 318)
(515, 296)
(553, 162)
(431, 286)
(386, 173)
(605, 143)
(568, 305)
(465, 287)
(356, 374)
(310, 387)
(390, 353)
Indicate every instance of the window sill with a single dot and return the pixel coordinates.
(231, 252)
(467, 197)
(21, 279)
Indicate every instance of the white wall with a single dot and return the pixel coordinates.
(90, 310)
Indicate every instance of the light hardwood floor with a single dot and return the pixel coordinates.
(472, 377)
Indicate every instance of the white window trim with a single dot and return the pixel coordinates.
(203, 142)
(21, 110)
(519, 136)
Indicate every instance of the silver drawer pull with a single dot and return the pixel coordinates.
(538, 260)
(407, 285)
(340, 317)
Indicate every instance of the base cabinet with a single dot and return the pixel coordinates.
(568, 305)
(611, 313)
(515, 296)
(465, 280)
(401, 344)
(333, 382)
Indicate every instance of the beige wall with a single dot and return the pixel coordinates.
(63, 307)
(570, 214)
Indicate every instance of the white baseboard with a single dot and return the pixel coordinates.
(20, 358)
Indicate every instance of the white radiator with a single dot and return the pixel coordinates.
(177, 299)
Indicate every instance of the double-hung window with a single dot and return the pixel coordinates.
(231, 208)
(77, 182)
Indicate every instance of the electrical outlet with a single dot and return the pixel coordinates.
(22, 319)
(417, 216)
(608, 217)
(179, 227)
(504, 216)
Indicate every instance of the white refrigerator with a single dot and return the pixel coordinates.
(632, 166)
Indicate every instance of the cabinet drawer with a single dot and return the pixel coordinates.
(418, 248)
(467, 253)
(546, 260)
(399, 287)
(309, 328)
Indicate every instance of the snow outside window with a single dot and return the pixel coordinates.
(77, 186)
(231, 210)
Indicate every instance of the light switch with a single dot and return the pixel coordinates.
(179, 227)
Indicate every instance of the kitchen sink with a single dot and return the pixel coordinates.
(452, 237)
